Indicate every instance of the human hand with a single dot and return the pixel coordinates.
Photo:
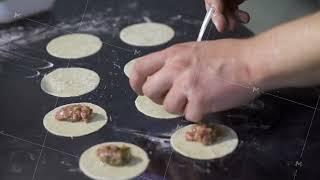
(196, 78)
(227, 14)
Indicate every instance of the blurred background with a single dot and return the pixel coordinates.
(268, 13)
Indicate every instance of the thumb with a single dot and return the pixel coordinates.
(218, 18)
(218, 5)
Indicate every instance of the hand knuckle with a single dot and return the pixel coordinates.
(187, 82)
(175, 49)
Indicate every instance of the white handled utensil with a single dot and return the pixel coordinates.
(205, 23)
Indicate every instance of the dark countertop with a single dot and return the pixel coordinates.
(272, 132)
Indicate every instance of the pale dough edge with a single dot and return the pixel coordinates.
(66, 57)
(56, 94)
(124, 38)
(128, 68)
(140, 100)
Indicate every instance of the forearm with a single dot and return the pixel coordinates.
(288, 55)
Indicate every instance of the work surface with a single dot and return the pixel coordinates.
(279, 136)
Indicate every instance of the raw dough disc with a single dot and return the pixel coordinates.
(149, 108)
(224, 145)
(69, 82)
(74, 46)
(128, 68)
(75, 129)
(147, 34)
(95, 169)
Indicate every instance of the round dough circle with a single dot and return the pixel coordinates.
(128, 68)
(149, 108)
(224, 145)
(147, 34)
(91, 166)
(74, 46)
(75, 129)
(70, 82)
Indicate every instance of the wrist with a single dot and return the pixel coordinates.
(259, 58)
(286, 56)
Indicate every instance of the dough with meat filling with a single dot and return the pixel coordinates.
(91, 165)
(226, 143)
(98, 119)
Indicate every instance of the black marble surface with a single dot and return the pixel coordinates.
(272, 130)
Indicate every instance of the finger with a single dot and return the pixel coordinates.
(158, 85)
(242, 16)
(194, 111)
(219, 21)
(218, 18)
(144, 67)
(217, 4)
(175, 101)
(232, 21)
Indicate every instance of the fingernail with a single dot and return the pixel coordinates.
(207, 7)
(241, 16)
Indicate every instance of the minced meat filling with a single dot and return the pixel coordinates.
(203, 133)
(74, 113)
(114, 155)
